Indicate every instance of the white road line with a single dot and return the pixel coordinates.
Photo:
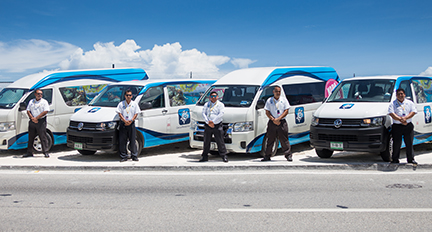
(329, 210)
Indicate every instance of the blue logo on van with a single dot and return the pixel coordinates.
(184, 116)
(346, 106)
(427, 113)
(299, 115)
(94, 110)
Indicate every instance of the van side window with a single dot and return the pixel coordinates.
(304, 93)
(266, 93)
(47, 95)
(407, 87)
(423, 90)
(80, 95)
(185, 94)
(152, 98)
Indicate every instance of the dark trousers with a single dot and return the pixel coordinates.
(278, 131)
(218, 133)
(125, 133)
(407, 131)
(35, 129)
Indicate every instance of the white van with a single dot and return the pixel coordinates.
(355, 116)
(244, 93)
(165, 114)
(65, 91)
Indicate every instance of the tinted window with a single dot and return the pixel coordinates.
(407, 87)
(423, 90)
(113, 94)
(152, 98)
(363, 91)
(10, 96)
(304, 93)
(80, 95)
(185, 94)
(232, 95)
(47, 95)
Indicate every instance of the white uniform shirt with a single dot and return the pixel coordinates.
(277, 107)
(213, 112)
(402, 109)
(128, 110)
(37, 107)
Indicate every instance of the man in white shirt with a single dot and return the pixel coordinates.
(212, 113)
(37, 109)
(402, 110)
(128, 110)
(276, 109)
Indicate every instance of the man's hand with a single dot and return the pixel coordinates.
(34, 120)
(211, 124)
(128, 122)
(276, 121)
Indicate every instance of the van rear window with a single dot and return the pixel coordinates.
(298, 94)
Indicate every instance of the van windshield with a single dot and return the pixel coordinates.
(363, 91)
(113, 94)
(232, 95)
(10, 96)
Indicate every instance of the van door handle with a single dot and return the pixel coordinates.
(51, 111)
(164, 111)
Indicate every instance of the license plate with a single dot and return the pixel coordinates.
(336, 145)
(78, 146)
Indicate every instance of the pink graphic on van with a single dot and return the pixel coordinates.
(330, 85)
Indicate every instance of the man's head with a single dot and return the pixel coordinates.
(128, 95)
(276, 92)
(213, 96)
(38, 94)
(400, 95)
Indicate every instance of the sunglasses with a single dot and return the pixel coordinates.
(213, 96)
(128, 95)
(39, 93)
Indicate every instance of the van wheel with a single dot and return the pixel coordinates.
(37, 143)
(264, 146)
(386, 155)
(86, 152)
(138, 145)
(324, 153)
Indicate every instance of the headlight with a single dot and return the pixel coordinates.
(243, 126)
(373, 122)
(106, 126)
(5, 126)
(315, 121)
(193, 124)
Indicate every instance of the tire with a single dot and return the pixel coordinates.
(264, 146)
(86, 152)
(138, 144)
(324, 153)
(37, 145)
(387, 154)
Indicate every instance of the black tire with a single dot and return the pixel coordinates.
(264, 146)
(387, 154)
(86, 152)
(37, 145)
(138, 144)
(324, 153)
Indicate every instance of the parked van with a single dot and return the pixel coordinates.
(165, 114)
(355, 116)
(65, 91)
(244, 93)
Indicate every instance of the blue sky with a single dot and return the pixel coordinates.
(211, 38)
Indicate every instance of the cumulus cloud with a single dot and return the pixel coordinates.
(427, 72)
(242, 63)
(22, 55)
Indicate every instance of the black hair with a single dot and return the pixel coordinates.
(400, 89)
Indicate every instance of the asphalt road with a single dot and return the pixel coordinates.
(216, 201)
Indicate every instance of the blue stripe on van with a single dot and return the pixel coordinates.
(319, 73)
(112, 75)
(153, 138)
(256, 144)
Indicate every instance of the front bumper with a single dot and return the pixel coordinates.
(372, 139)
(93, 140)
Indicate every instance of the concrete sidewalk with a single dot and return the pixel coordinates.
(182, 158)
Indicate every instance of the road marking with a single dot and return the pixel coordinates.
(329, 210)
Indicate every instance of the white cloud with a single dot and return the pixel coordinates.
(22, 55)
(427, 72)
(242, 63)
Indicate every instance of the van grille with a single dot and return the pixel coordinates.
(199, 133)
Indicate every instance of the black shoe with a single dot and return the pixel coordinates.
(289, 157)
(27, 155)
(394, 162)
(266, 159)
(225, 159)
(46, 155)
(123, 160)
(134, 158)
(413, 162)
(203, 159)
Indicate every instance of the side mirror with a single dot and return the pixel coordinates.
(22, 106)
(145, 105)
(260, 104)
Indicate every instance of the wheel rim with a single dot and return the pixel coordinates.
(128, 151)
(37, 144)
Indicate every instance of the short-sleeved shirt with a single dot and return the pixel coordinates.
(38, 107)
(213, 112)
(277, 107)
(128, 110)
(402, 109)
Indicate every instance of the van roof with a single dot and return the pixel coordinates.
(266, 76)
(392, 77)
(43, 79)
